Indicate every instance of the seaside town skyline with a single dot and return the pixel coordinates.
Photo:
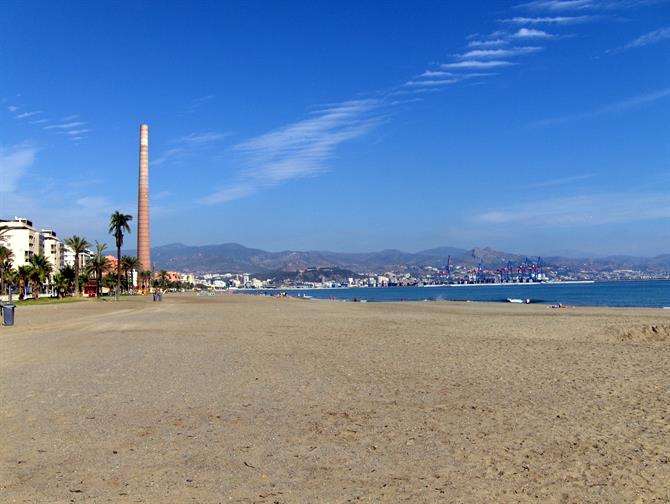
(482, 135)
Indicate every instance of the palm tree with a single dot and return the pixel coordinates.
(163, 277)
(23, 279)
(79, 246)
(61, 284)
(40, 269)
(98, 264)
(68, 274)
(128, 264)
(118, 223)
(11, 277)
(5, 265)
(145, 278)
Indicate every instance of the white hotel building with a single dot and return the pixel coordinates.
(25, 241)
(21, 238)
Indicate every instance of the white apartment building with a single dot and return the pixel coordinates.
(68, 258)
(21, 238)
(53, 249)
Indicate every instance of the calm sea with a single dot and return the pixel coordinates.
(654, 294)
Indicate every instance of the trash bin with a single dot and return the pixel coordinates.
(8, 314)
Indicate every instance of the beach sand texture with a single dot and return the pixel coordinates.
(247, 399)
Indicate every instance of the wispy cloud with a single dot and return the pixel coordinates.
(202, 138)
(430, 82)
(556, 20)
(453, 79)
(652, 37)
(199, 102)
(582, 210)
(558, 5)
(499, 53)
(67, 125)
(477, 64)
(561, 181)
(300, 149)
(25, 115)
(531, 33)
(620, 106)
(438, 73)
(14, 161)
(488, 43)
(189, 145)
(583, 5)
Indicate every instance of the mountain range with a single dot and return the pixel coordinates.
(236, 258)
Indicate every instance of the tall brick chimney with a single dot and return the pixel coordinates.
(143, 236)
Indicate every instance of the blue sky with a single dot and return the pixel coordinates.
(539, 127)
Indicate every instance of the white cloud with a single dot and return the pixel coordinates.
(431, 73)
(557, 20)
(230, 193)
(202, 138)
(12, 108)
(28, 114)
(14, 161)
(558, 5)
(67, 125)
(650, 38)
(487, 43)
(620, 106)
(431, 82)
(561, 181)
(499, 53)
(189, 145)
(300, 149)
(587, 210)
(477, 64)
(531, 33)
(577, 5)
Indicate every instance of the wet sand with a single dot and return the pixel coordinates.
(249, 399)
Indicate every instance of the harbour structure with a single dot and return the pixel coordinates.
(143, 225)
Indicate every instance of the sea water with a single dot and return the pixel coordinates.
(652, 294)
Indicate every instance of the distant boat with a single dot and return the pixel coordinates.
(518, 301)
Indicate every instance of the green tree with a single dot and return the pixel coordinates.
(128, 265)
(5, 265)
(40, 269)
(69, 274)
(118, 224)
(23, 279)
(98, 264)
(163, 278)
(78, 245)
(61, 284)
(145, 279)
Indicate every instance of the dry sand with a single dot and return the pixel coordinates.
(246, 399)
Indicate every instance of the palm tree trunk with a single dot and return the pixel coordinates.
(118, 272)
(76, 275)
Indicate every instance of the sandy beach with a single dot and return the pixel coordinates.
(238, 398)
